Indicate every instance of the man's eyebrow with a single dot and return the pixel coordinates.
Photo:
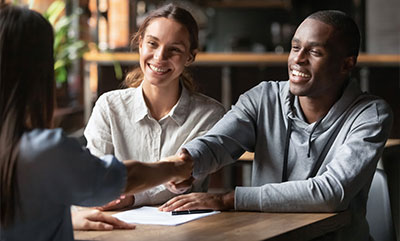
(295, 40)
(312, 44)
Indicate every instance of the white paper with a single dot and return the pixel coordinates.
(151, 215)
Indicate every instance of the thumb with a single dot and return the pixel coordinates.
(184, 153)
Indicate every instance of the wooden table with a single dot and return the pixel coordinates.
(247, 226)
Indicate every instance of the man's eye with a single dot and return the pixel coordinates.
(177, 50)
(315, 52)
(295, 48)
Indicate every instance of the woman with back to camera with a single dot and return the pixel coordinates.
(160, 110)
(43, 172)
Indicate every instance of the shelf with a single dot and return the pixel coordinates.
(241, 59)
(285, 4)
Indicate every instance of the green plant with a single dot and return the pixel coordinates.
(67, 47)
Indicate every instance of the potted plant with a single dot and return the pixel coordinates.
(67, 47)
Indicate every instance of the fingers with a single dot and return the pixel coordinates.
(184, 154)
(181, 187)
(184, 184)
(183, 202)
(109, 220)
(120, 203)
(93, 219)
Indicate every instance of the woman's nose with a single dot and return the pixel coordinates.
(160, 53)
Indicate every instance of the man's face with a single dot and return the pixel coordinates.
(316, 60)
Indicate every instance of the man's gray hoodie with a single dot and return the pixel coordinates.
(330, 163)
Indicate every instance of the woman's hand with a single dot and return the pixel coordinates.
(93, 219)
(181, 187)
(141, 176)
(200, 201)
(124, 201)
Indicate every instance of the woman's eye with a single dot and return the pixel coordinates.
(151, 43)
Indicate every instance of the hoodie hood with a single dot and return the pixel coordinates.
(293, 110)
(309, 132)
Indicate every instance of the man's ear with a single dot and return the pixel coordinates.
(191, 58)
(349, 64)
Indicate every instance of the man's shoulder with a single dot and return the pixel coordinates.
(271, 86)
(268, 90)
(373, 103)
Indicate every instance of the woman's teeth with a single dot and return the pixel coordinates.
(156, 69)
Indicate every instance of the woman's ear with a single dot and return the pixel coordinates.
(140, 42)
(191, 58)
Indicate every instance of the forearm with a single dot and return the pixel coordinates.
(228, 200)
(141, 176)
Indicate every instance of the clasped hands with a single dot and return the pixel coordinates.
(180, 183)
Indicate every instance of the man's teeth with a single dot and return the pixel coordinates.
(301, 74)
(161, 70)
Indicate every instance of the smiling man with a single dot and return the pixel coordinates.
(317, 138)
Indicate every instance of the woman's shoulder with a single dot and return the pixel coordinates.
(116, 97)
(205, 102)
(45, 142)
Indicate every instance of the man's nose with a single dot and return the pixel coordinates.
(300, 56)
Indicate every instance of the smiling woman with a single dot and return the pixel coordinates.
(160, 110)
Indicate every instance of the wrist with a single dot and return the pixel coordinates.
(228, 200)
(133, 201)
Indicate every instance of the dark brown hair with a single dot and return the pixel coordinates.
(26, 91)
(180, 15)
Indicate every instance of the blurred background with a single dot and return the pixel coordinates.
(94, 50)
(242, 43)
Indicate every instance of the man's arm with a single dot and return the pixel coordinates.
(348, 172)
(228, 139)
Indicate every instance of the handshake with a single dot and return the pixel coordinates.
(174, 171)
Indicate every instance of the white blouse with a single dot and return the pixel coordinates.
(121, 124)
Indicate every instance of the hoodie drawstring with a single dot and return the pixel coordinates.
(287, 142)
(309, 137)
(285, 156)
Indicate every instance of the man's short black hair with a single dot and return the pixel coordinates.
(345, 26)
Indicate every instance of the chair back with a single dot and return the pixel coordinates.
(379, 214)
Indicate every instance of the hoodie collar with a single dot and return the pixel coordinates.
(294, 112)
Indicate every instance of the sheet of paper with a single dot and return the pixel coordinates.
(151, 215)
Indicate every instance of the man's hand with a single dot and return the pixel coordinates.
(93, 219)
(181, 187)
(200, 201)
(122, 202)
(183, 166)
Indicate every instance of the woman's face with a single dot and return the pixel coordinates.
(164, 52)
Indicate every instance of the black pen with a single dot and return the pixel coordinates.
(192, 211)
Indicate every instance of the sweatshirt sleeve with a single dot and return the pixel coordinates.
(67, 173)
(228, 139)
(348, 173)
